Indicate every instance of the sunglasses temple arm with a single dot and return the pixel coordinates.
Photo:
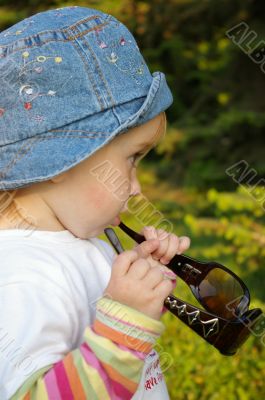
(177, 261)
(206, 325)
(185, 312)
(226, 336)
(114, 240)
(134, 235)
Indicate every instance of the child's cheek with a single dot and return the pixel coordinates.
(101, 198)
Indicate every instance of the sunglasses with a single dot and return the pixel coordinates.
(226, 321)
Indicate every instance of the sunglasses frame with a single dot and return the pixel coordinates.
(193, 272)
(224, 334)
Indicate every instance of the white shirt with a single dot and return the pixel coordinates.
(52, 279)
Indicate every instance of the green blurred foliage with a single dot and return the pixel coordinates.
(227, 228)
(216, 120)
(217, 117)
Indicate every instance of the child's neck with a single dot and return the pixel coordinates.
(27, 213)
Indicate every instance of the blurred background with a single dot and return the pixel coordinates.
(207, 176)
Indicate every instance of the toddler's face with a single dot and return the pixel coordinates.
(90, 196)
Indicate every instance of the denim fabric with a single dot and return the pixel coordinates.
(71, 80)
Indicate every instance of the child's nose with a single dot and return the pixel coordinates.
(135, 186)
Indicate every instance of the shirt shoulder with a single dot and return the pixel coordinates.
(105, 248)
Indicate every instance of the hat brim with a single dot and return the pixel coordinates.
(48, 154)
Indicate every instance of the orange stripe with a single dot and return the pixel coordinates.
(27, 396)
(116, 376)
(122, 338)
(73, 378)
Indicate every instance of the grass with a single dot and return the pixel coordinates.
(193, 369)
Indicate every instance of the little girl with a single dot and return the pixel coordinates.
(77, 321)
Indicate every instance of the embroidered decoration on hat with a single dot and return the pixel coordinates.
(103, 45)
(126, 64)
(122, 41)
(58, 14)
(24, 85)
(27, 106)
(29, 92)
(113, 58)
(100, 42)
(39, 70)
(38, 118)
(19, 31)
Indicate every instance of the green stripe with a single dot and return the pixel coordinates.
(118, 310)
(28, 384)
(129, 366)
(78, 362)
(132, 331)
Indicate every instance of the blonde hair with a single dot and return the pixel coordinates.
(6, 200)
(10, 212)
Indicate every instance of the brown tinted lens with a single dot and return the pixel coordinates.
(221, 293)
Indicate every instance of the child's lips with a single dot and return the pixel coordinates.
(116, 221)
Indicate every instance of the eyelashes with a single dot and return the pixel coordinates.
(136, 158)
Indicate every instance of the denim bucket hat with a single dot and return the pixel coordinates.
(71, 80)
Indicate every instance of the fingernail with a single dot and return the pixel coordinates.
(164, 260)
(148, 228)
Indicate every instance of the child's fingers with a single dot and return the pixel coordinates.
(122, 263)
(147, 247)
(124, 260)
(149, 232)
(163, 237)
(139, 269)
(184, 244)
(169, 243)
(173, 246)
(164, 288)
(153, 277)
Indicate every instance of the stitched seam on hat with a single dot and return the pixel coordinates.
(80, 34)
(100, 73)
(7, 168)
(70, 38)
(85, 20)
(79, 130)
(80, 52)
(65, 30)
(19, 156)
(144, 113)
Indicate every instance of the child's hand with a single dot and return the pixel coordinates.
(169, 245)
(136, 283)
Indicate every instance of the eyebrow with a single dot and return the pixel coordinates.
(146, 145)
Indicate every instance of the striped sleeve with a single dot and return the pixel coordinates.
(107, 365)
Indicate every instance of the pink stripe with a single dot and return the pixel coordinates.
(138, 354)
(62, 382)
(121, 392)
(127, 323)
(51, 385)
(91, 359)
(115, 389)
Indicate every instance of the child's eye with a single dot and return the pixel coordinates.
(135, 158)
